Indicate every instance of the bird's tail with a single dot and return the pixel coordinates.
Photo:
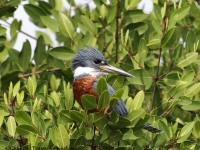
(152, 129)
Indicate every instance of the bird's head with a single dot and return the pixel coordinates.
(92, 62)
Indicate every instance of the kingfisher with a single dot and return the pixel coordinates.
(87, 65)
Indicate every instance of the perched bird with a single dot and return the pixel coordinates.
(87, 65)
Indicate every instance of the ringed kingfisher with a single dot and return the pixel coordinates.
(87, 66)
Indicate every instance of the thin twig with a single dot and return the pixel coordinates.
(37, 72)
(164, 74)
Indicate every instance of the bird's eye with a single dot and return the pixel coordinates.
(98, 61)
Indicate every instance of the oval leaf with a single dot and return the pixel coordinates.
(167, 37)
(88, 102)
(76, 116)
(11, 124)
(66, 26)
(61, 137)
(22, 118)
(138, 100)
(24, 130)
(104, 100)
(101, 86)
(190, 58)
(62, 53)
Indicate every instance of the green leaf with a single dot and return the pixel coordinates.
(3, 114)
(193, 106)
(14, 27)
(101, 86)
(128, 135)
(134, 16)
(118, 94)
(64, 114)
(76, 116)
(50, 23)
(10, 91)
(190, 41)
(88, 102)
(31, 85)
(103, 11)
(104, 100)
(25, 56)
(100, 120)
(54, 83)
(34, 12)
(115, 136)
(156, 25)
(154, 43)
(2, 30)
(56, 98)
(88, 24)
(11, 124)
(2, 40)
(61, 137)
(40, 55)
(193, 90)
(181, 12)
(185, 132)
(168, 39)
(16, 88)
(123, 122)
(22, 118)
(164, 127)
(142, 77)
(63, 53)
(188, 59)
(138, 100)
(196, 129)
(24, 130)
(178, 15)
(4, 144)
(13, 55)
(66, 26)
(135, 114)
(69, 96)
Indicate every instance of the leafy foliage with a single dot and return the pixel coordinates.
(161, 49)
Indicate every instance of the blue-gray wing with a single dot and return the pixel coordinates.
(120, 106)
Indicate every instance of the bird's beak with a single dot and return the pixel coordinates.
(114, 70)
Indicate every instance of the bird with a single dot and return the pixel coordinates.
(87, 65)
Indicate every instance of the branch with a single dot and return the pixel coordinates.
(37, 72)
(164, 74)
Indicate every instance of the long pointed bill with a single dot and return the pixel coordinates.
(114, 70)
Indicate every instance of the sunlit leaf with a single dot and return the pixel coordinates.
(66, 26)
